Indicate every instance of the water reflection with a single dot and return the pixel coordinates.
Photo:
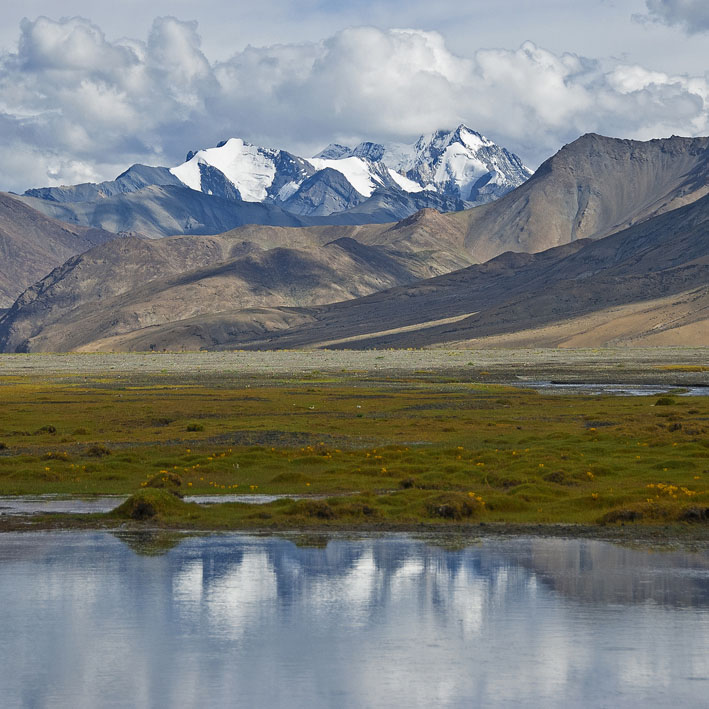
(235, 620)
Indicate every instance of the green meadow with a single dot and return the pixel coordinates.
(363, 451)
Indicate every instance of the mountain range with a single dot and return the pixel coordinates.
(236, 183)
(608, 242)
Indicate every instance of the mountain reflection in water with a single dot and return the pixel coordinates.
(238, 620)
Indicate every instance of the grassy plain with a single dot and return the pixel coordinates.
(373, 448)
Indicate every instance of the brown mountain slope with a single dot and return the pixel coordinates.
(591, 188)
(134, 283)
(428, 233)
(680, 318)
(31, 245)
(659, 268)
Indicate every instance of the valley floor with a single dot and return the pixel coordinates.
(375, 440)
(677, 366)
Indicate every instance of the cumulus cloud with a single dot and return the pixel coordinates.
(691, 15)
(75, 106)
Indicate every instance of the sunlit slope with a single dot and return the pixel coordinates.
(660, 268)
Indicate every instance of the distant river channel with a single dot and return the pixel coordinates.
(99, 619)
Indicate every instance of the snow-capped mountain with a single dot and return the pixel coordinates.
(372, 182)
(460, 164)
(237, 170)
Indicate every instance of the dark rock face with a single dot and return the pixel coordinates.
(289, 169)
(215, 182)
(158, 211)
(334, 151)
(369, 151)
(387, 205)
(327, 191)
(696, 514)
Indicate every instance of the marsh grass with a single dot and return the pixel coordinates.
(403, 451)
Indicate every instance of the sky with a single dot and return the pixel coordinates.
(89, 87)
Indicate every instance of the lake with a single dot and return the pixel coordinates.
(98, 619)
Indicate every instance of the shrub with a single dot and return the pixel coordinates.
(665, 401)
(315, 508)
(97, 451)
(453, 505)
(357, 509)
(623, 514)
(695, 514)
(559, 477)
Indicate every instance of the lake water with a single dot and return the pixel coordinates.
(20, 505)
(98, 620)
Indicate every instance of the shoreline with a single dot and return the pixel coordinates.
(659, 535)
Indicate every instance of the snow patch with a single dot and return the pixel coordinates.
(459, 166)
(189, 174)
(404, 182)
(355, 170)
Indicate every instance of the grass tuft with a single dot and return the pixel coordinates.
(151, 504)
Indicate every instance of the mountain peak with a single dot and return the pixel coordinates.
(369, 151)
(442, 138)
(426, 216)
(334, 151)
(462, 163)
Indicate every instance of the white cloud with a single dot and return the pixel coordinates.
(76, 106)
(691, 15)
